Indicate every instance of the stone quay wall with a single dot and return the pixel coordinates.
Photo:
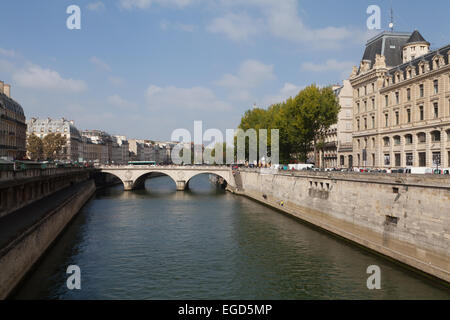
(403, 217)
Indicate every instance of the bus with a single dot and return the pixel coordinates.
(142, 163)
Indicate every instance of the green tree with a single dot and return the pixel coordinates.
(53, 144)
(35, 147)
(315, 110)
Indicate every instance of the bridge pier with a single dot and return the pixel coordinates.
(181, 185)
(128, 185)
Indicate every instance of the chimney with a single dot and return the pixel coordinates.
(7, 90)
(1, 87)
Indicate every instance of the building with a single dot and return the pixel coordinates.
(337, 152)
(73, 150)
(12, 126)
(401, 94)
(120, 150)
(98, 146)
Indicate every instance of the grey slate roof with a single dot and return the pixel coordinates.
(389, 44)
(10, 104)
(416, 37)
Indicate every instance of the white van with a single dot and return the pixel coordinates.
(419, 170)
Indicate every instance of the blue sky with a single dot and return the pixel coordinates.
(143, 68)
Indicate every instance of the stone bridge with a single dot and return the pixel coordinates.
(134, 177)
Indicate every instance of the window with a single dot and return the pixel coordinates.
(422, 159)
(373, 87)
(397, 159)
(409, 159)
(436, 136)
(365, 90)
(408, 139)
(357, 124)
(397, 140)
(408, 94)
(386, 141)
(422, 68)
(357, 106)
(386, 117)
(365, 123)
(373, 104)
(422, 137)
(408, 115)
(387, 159)
(373, 122)
(421, 91)
(397, 118)
(421, 113)
(436, 159)
(373, 143)
(409, 74)
(373, 159)
(436, 86)
(386, 98)
(397, 98)
(436, 110)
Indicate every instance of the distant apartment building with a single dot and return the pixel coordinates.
(337, 151)
(120, 150)
(401, 94)
(73, 150)
(12, 126)
(98, 146)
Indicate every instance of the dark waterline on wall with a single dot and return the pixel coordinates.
(206, 243)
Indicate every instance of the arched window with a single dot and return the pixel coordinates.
(408, 139)
(397, 140)
(386, 141)
(422, 137)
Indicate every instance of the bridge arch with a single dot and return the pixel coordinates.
(139, 182)
(225, 178)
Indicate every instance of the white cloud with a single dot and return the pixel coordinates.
(251, 74)
(7, 53)
(288, 90)
(96, 6)
(144, 4)
(119, 102)
(189, 99)
(237, 27)
(6, 66)
(100, 64)
(280, 19)
(36, 77)
(329, 65)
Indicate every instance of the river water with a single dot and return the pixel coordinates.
(206, 243)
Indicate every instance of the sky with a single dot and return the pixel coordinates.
(143, 68)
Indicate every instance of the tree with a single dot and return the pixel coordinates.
(316, 110)
(35, 147)
(52, 146)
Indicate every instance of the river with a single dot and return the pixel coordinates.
(206, 243)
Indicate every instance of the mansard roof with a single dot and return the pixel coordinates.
(10, 104)
(416, 37)
(388, 44)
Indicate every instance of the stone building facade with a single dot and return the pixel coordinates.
(73, 150)
(338, 140)
(12, 126)
(401, 94)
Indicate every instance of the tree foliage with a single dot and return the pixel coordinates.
(53, 144)
(302, 121)
(35, 147)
